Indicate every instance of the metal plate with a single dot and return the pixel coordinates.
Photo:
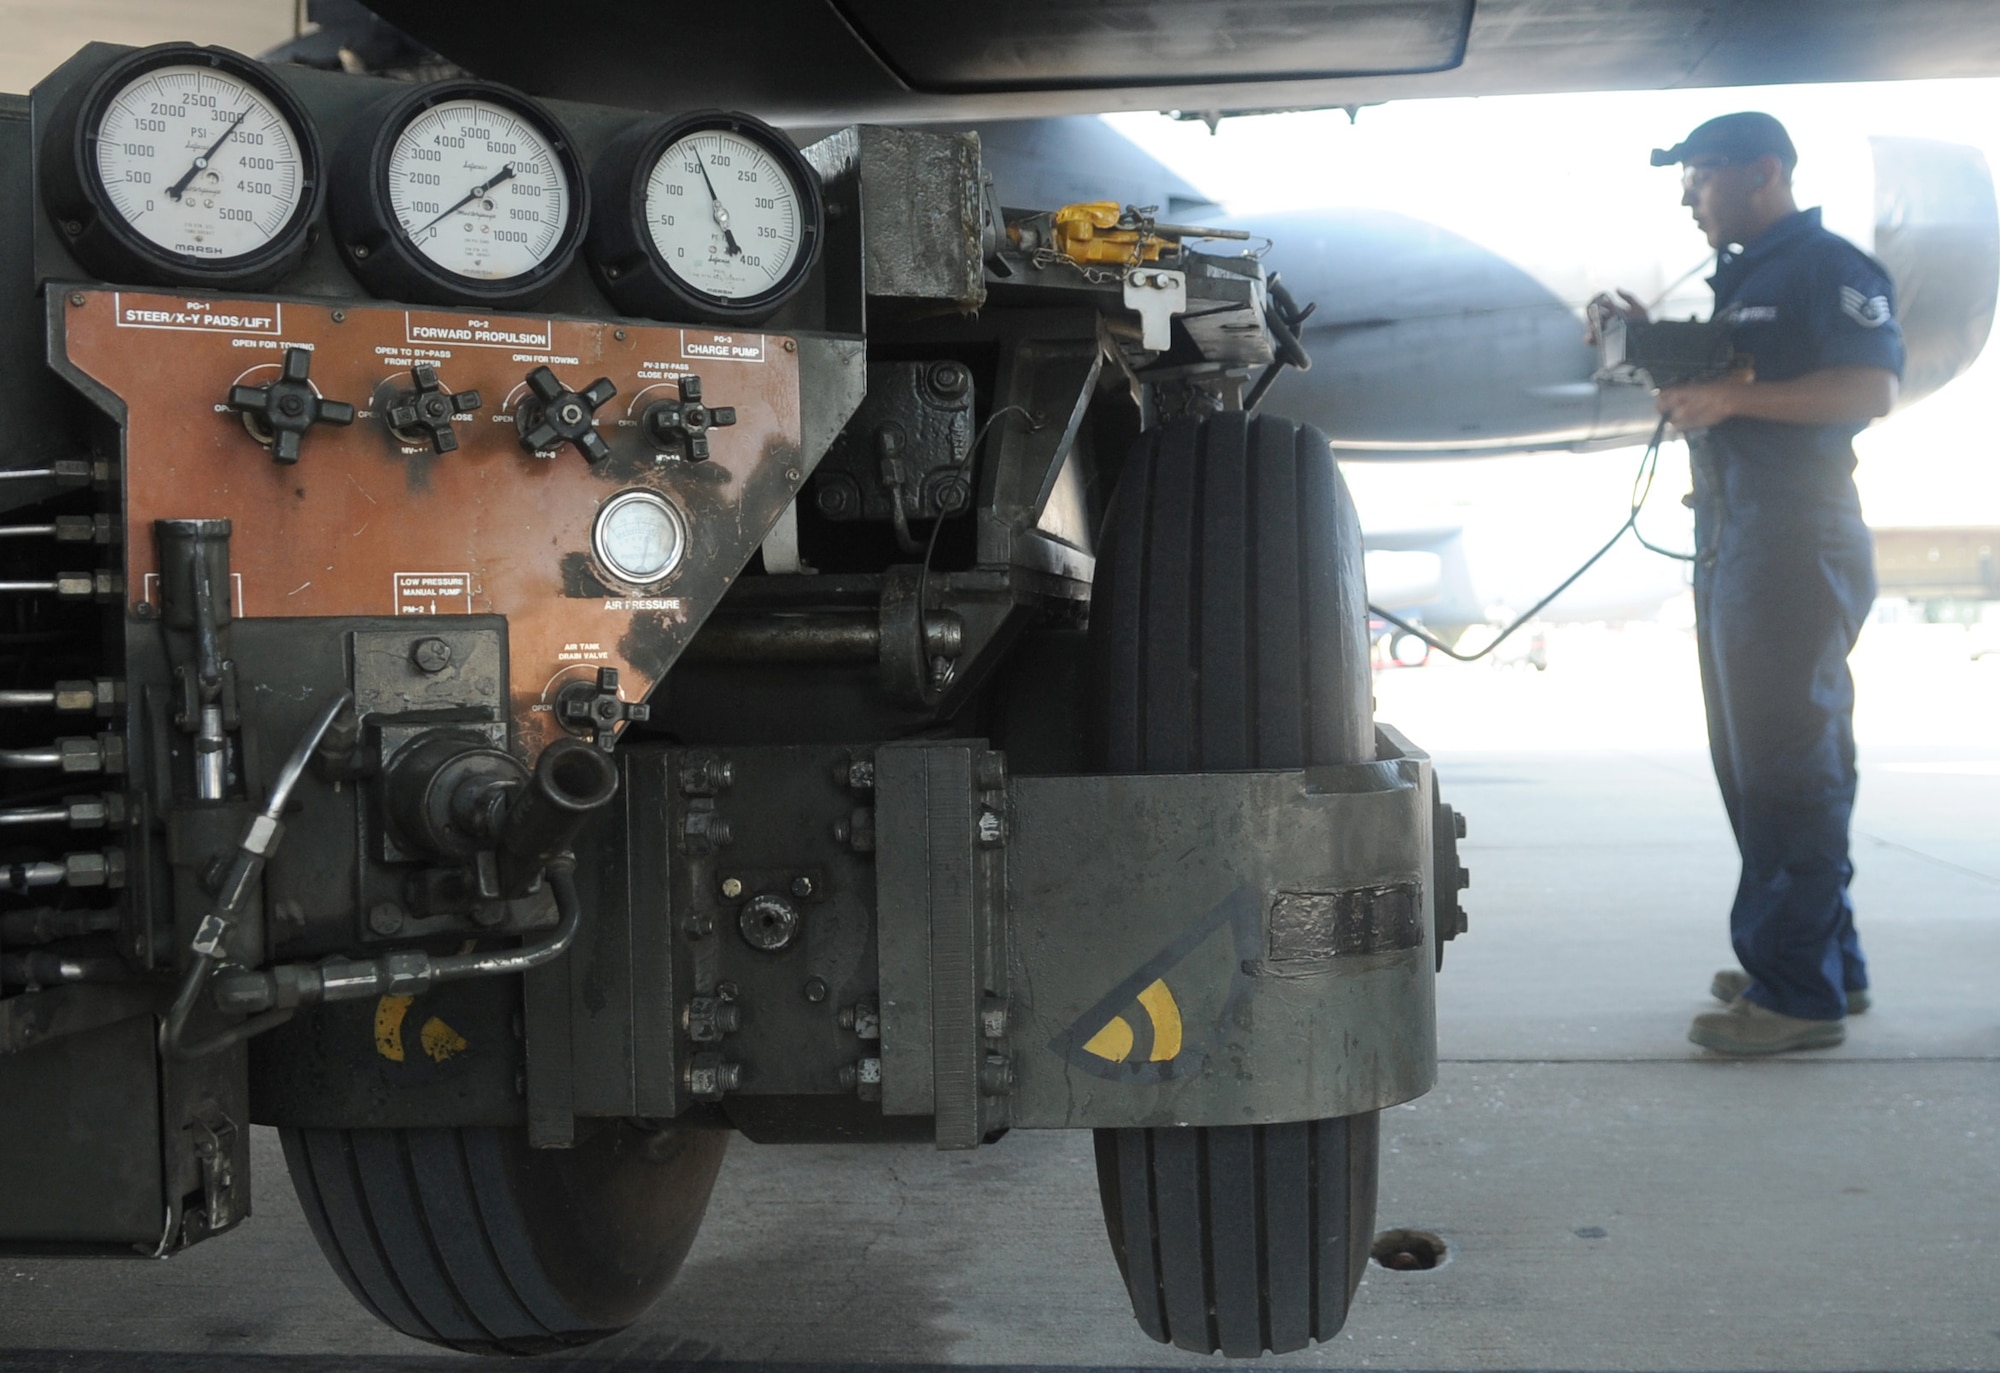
(366, 525)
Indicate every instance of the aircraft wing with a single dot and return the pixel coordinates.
(834, 61)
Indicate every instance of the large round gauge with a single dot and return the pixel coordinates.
(180, 164)
(464, 192)
(711, 216)
(639, 537)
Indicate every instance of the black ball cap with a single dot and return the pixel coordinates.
(1733, 138)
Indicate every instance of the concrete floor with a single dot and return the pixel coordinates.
(1612, 1198)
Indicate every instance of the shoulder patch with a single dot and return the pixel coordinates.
(1870, 312)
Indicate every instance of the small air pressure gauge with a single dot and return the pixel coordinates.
(639, 537)
(184, 165)
(460, 193)
(711, 216)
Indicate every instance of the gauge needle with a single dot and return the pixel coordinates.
(721, 215)
(201, 163)
(474, 194)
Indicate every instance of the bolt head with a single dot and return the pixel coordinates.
(431, 654)
(802, 887)
(385, 918)
(732, 887)
(815, 989)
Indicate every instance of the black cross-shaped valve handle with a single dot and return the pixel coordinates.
(427, 410)
(555, 415)
(289, 406)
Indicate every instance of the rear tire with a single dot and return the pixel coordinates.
(469, 1239)
(1229, 630)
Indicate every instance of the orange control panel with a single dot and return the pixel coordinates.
(663, 457)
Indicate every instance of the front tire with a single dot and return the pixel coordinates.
(469, 1239)
(1229, 630)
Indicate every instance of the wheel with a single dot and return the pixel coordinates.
(470, 1239)
(1229, 629)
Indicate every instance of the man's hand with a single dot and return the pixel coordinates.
(1604, 306)
(1702, 404)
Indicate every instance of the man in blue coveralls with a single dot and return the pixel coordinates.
(1784, 571)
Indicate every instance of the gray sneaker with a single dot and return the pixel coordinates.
(1744, 1027)
(1731, 983)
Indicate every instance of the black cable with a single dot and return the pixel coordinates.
(1642, 487)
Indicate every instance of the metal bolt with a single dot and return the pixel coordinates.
(75, 297)
(340, 316)
(732, 888)
(996, 1075)
(697, 926)
(618, 334)
(386, 918)
(992, 827)
(769, 923)
(833, 498)
(815, 989)
(431, 655)
(993, 1022)
(728, 991)
(791, 346)
(802, 887)
(793, 474)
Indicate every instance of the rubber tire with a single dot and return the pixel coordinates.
(468, 1238)
(1229, 630)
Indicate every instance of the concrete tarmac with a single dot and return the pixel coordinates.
(1612, 1197)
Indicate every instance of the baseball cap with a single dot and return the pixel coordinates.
(1733, 138)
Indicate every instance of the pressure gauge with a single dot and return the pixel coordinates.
(463, 192)
(711, 216)
(639, 537)
(180, 164)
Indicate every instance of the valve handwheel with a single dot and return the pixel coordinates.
(427, 410)
(685, 423)
(289, 406)
(556, 415)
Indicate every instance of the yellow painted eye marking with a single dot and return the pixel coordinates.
(389, 1013)
(440, 1041)
(1112, 1042)
(1166, 1013)
(1117, 1041)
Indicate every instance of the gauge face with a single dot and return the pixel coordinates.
(199, 162)
(725, 217)
(639, 537)
(182, 165)
(711, 216)
(480, 190)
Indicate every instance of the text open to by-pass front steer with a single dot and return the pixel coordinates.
(550, 635)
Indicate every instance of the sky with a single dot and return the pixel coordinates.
(1563, 182)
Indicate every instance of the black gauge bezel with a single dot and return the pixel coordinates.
(99, 236)
(380, 252)
(628, 264)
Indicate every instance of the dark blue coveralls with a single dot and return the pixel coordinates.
(1784, 575)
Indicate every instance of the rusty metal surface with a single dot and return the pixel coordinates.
(365, 524)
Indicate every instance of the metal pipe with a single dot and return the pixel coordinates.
(27, 531)
(46, 924)
(39, 969)
(283, 989)
(26, 700)
(571, 780)
(826, 637)
(35, 815)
